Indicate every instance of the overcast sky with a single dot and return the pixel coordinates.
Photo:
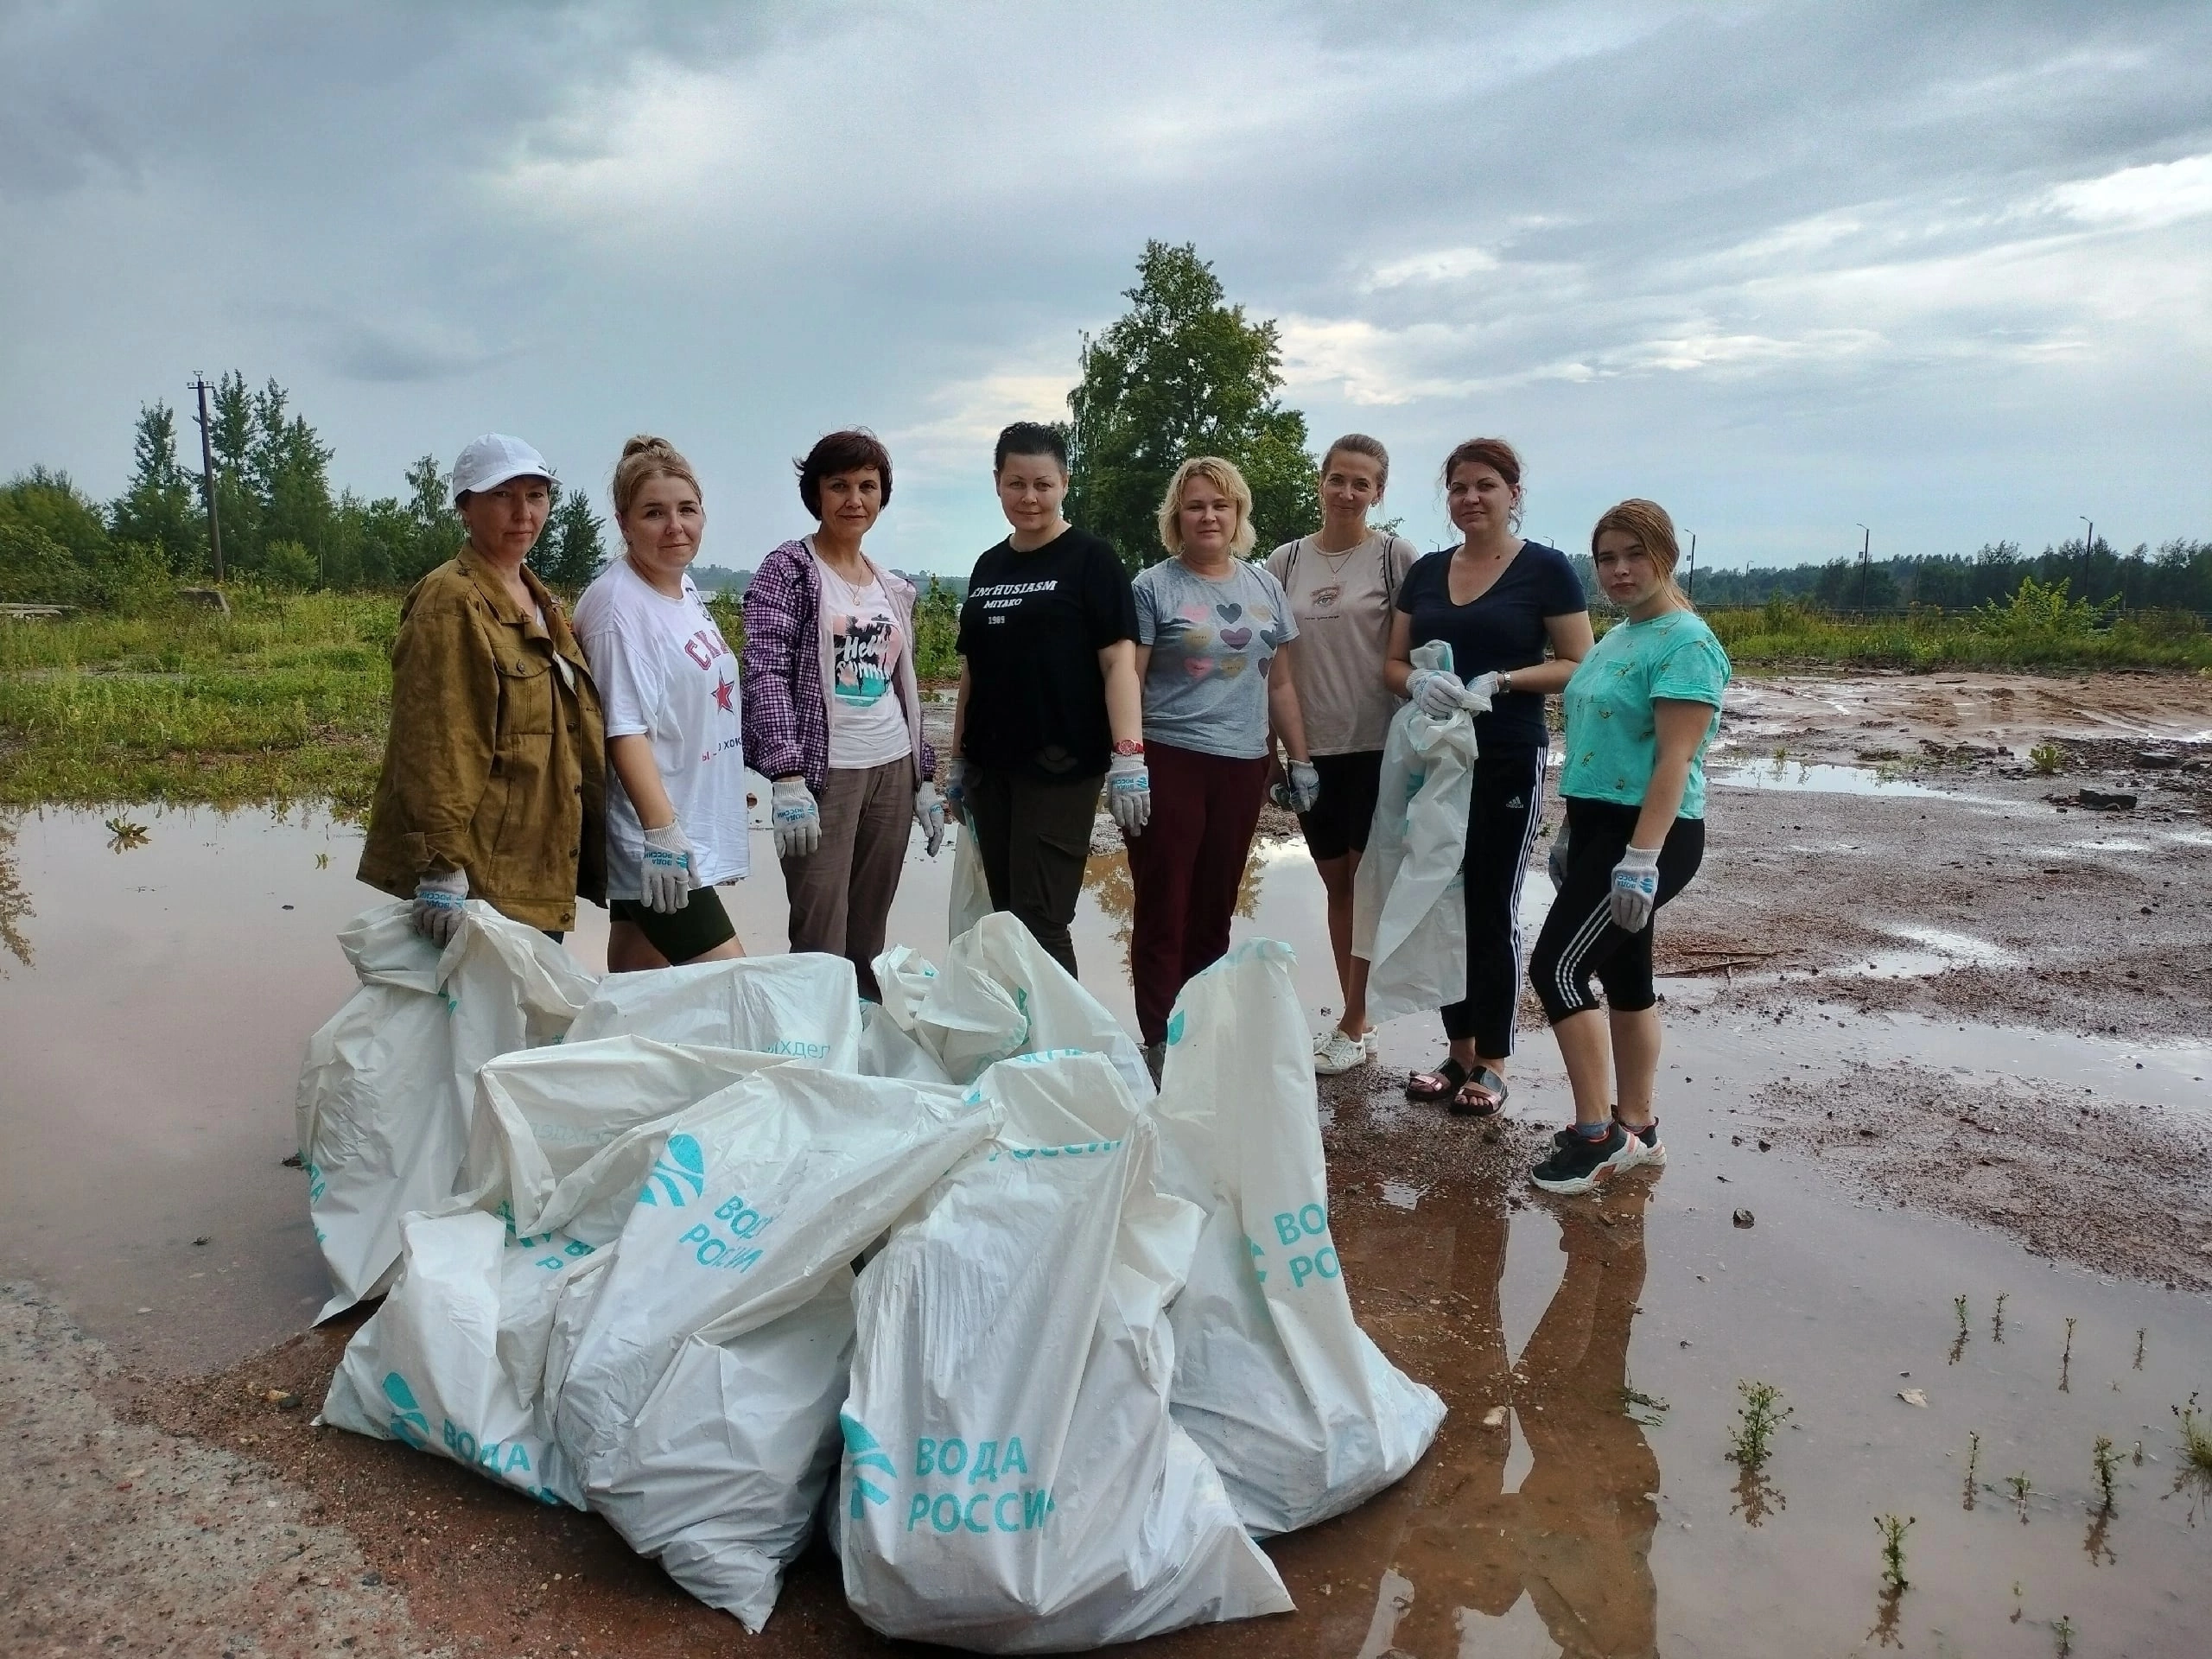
(1943, 269)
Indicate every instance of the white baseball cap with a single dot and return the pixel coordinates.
(491, 459)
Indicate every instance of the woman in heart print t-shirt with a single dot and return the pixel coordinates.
(1213, 651)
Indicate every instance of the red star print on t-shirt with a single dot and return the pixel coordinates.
(722, 696)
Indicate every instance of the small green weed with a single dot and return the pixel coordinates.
(2107, 1461)
(2048, 759)
(1756, 1418)
(1893, 1531)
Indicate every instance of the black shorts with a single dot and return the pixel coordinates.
(683, 935)
(1338, 822)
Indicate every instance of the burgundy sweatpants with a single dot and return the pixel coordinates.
(1185, 868)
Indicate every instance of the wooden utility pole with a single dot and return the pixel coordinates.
(207, 477)
(1865, 564)
(1693, 581)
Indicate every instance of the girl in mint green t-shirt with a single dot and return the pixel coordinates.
(1640, 708)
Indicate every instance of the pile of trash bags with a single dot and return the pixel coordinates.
(723, 1252)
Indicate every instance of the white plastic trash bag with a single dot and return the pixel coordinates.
(757, 1201)
(1409, 919)
(1294, 1402)
(803, 1007)
(563, 1137)
(970, 898)
(451, 1363)
(720, 1473)
(887, 1052)
(1000, 994)
(1012, 1479)
(386, 1091)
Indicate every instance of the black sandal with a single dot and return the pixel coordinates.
(1423, 1085)
(1494, 1092)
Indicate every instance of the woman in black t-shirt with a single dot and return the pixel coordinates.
(1515, 616)
(1050, 703)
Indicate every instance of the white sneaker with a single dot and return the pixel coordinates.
(1338, 1052)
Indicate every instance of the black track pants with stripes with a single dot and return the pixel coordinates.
(1579, 938)
(1506, 806)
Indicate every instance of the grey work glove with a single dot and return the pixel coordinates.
(929, 812)
(1299, 789)
(669, 868)
(1635, 887)
(438, 902)
(1437, 692)
(1128, 793)
(796, 820)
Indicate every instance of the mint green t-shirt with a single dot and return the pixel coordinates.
(1611, 739)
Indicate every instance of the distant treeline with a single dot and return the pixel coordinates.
(2176, 577)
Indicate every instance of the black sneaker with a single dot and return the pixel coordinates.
(1584, 1164)
(1650, 1151)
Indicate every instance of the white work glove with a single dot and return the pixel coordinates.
(929, 812)
(1437, 692)
(796, 820)
(438, 901)
(956, 773)
(1635, 886)
(1128, 793)
(1299, 789)
(668, 868)
(1480, 690)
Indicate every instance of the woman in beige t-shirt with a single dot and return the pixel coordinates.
(1342, 582)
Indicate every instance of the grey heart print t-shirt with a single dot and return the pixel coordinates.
(1213, 644)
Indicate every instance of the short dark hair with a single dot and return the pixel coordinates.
(841, 452)
(1030, 438)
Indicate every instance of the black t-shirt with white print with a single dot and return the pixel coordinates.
(1030, 630)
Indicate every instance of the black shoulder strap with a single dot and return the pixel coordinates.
(1290, 567)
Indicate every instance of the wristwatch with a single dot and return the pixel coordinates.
(1505, 682)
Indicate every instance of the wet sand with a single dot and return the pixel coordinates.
(1928, 949)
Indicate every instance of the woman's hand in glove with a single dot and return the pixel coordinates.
(1437, 692)
(668, 868)
(929, 812)
(438, 901)
(795, 818)
(1635, 887)
(1128, 793)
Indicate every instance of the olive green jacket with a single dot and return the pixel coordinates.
(495, 763)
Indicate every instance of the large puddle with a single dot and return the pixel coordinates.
(1580, 1500)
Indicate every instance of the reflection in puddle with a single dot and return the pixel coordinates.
(1822, 778)
(15, 903)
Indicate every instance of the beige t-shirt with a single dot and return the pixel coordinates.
(1342, 602)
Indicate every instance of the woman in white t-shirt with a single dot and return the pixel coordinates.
(675, 815)
(1342, 583)
(833, 713)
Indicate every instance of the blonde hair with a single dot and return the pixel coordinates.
(1225, 476)
(1647, 524)
(645, 459)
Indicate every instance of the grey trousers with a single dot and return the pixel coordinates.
(840, 892)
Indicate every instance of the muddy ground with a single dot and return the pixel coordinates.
(1908, 985)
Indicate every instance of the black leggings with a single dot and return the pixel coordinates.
(1506, 806)
(1580, 937)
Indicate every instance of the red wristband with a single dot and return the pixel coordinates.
(1128, 746)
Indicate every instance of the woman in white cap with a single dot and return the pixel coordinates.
(676, 804)
(493, 772)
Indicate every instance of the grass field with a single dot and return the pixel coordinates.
(287, 698)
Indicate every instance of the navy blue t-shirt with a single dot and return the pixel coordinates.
(1503, 629)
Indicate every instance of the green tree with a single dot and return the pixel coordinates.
(288, 465)
(436, 535)
(229, 435)
(569, 552)
(1183, 373)
(51, 504)
(156, 508)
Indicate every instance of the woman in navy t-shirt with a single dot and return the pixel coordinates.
(1515, 616)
